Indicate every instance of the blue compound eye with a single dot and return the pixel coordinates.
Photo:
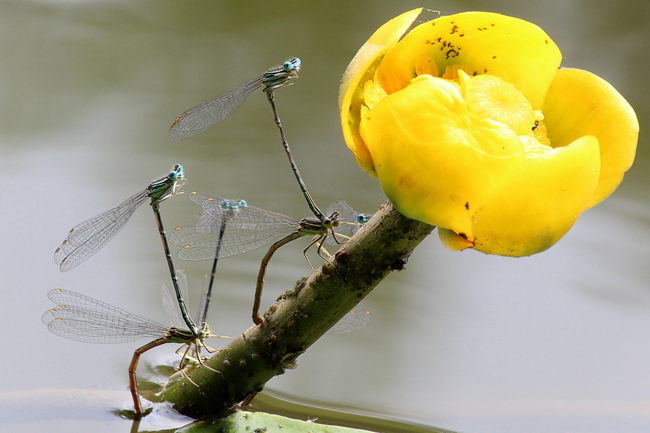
(288, 66)
(242, 203)
(362, 219)
(177, 172)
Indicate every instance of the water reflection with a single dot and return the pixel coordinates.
(458, 340)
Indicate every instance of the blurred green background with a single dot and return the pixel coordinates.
(558, 342)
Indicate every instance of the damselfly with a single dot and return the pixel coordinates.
(85, 319)
(85, 239)
(204, 116)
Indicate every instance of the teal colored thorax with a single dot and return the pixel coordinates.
(167, 186)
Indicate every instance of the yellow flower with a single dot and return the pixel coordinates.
(470, 126)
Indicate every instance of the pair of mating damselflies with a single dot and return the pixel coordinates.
(234, 227)
(81, 318)
(206, 115)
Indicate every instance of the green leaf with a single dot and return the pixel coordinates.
(260, 422)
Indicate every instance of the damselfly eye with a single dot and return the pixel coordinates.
(362, 219)
(287, 66)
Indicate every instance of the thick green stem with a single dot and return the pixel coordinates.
(301, 316)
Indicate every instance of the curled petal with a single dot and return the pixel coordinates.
(358, 71)
(580, 103)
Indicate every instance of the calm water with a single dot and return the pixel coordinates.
(558, 342)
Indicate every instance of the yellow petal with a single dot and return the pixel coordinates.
(361, 69)
(433, 155)
(542, 200)
(453, 241)
(580, 103)
(515, 50)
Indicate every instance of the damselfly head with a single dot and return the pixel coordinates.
(233, 204)
(177, 172)
(362, 218)
(333, 220)
(292, 64)
(204, 332)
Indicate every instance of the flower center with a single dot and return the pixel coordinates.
(495, 99)
(490, 97)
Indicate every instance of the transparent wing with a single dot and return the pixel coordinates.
(81, 318)
(200, 245)
(350, 221)
(90, 236)
(206, 223)
(245, 216)
(351, 322)
(204, 116)
(203, 308)
(170, 302)
(246, 228)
